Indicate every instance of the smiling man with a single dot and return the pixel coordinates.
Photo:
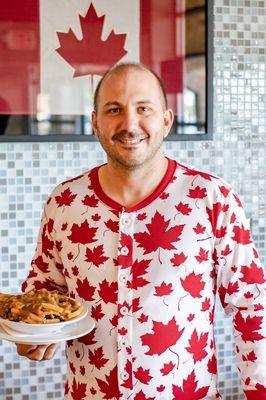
(149, 243)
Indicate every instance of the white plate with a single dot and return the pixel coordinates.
(29, 329)
(69, 332)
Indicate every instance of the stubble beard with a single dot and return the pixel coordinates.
(129, 164)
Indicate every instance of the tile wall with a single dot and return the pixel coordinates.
(29, 171)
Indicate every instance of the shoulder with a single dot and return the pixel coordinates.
(73, 186)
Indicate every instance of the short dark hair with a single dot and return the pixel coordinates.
(122, 66)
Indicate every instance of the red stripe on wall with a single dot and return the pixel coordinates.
(19, 56)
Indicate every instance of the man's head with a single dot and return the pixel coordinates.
(131, 117)
(125, 66)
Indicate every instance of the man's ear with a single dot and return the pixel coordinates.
(168, 121)
(94, 123)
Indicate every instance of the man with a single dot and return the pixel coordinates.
(149, 243)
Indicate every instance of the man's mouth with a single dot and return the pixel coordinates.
(131, 141)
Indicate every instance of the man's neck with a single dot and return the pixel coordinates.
(128, 187)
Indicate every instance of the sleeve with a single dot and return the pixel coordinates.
(46, 266)
(242, 290)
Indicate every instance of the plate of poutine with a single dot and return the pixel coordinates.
(69, 332)
(39, 312)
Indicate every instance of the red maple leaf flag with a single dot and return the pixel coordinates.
(91, 54)
(164, 336)
(189, 389)
(159, 234)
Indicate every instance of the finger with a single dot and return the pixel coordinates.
(38, 353)
(24, 349)
(50, 351)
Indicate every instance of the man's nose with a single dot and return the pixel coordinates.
(129, 121)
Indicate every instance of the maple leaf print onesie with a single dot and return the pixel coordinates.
(150, 275)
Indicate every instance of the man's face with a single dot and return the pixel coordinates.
(131, 120)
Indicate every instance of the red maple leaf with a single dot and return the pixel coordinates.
(78, 390)
(90, 201)
(141, 217)
(127, 383)
(178, 259)
(232, 288)
(96, 255)
(143, 375)
(212, 365)
(213, 214)
(224, 191)
(96, 217)
(219, 233)
(158, 236)
(85, 290)
(164, 336)
(91, 55)
(167, 368)
(197, 193)
(65, 198)
(163, 289)
(251, 356)
(226, 251)
(96, 312)
(202, 256)
(109, 387)
(89, 338)
(248, 327)
(183, 208)
(112, 225)
(197, 346)
(205, 305)
(82, 234)
(194, 172)
(193, 284)
(141, 396)
(50, 225)
(97, 359)
(47, 244)
(136, 304)
(242, 235)
(108, 291)
(252, 275)
(199, 229)
(41, 265)
(143, 318)
(189, 390)
(75, 270)
(139, 268)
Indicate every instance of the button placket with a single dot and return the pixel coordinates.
(126, 227)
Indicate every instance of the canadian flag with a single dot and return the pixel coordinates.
(53, 52)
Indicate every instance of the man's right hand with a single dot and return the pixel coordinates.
(37, 353)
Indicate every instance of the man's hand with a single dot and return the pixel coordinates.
(37, 353)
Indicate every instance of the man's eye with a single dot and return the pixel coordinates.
(144, 109)
(114, 110)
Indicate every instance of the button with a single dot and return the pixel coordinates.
(124, 376)
(124, 251)
(123, 343)
(123, 278)
(126, 221)
(124, 310)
